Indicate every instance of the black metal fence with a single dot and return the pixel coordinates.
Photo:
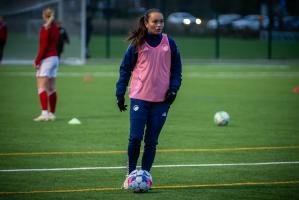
(232, 29)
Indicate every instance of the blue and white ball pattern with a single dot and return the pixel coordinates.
(221, 118)
(139, 181)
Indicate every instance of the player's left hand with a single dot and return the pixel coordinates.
(36, 66)
(170, 96)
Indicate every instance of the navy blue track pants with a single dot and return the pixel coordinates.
(146, 119)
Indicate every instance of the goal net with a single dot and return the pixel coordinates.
(24, 20)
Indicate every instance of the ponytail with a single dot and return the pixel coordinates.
(137, 36)
(49, 14)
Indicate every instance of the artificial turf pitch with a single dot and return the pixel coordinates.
(255, 157)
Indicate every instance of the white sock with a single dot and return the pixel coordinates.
(44, 112)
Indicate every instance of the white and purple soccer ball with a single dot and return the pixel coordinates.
(140, 181)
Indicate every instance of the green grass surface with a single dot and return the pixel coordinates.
(259, 98)
(204, 48)
(23, 47)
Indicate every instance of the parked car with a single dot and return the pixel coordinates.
(224, 21)
(182, 18)
(291, 23)
(251, 23)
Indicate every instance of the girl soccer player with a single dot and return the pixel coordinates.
(46, 65)
(154, 62)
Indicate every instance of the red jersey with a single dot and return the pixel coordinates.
(3, 32)
(47, 43)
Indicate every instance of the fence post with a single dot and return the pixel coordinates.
(217, 37)
(108, 26)
(270, 15)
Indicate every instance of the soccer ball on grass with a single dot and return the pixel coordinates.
(221, 118)
(140, 181)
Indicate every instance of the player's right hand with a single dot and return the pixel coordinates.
(121, 103)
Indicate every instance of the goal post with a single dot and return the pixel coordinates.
(24, 20)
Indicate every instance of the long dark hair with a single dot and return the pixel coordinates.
(136, 37)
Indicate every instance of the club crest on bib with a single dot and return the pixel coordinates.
(165, 47)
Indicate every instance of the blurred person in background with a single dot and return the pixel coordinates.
(46, 65)
(63, 38)
(3, 36)
(154, 62)
(89, 30)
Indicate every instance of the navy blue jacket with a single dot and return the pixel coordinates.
(130, 59)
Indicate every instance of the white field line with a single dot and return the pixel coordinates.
(155, 166)
(187, 74)
(64, 74)
(242, 75)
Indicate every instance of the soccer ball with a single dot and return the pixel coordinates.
(221, 118)
(140, 181)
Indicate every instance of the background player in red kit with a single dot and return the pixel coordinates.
(3, 36)
(46, 64)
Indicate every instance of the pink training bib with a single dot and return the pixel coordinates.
(151, 75)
